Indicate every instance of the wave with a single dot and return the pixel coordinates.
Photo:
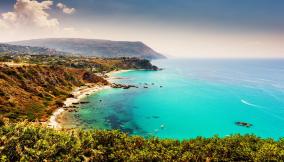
(250, 104)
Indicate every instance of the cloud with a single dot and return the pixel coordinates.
(29, 13)
(3, 24)
(66, 9)
(32, 19)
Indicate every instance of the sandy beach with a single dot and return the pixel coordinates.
(111, 78)
(79, 94)
(110, 74)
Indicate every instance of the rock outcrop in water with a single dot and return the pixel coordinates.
(116, 85)
(244, 124)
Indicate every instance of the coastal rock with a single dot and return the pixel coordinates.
(70, 96)
(244, 124)
(92, 78)
(115, 85)
(84, 102)
(72, 110)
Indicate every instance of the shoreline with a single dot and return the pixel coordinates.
(111, 77)
(79, 93)
(117, 72)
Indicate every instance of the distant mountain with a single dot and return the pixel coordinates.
(95, 47)
(16, 49)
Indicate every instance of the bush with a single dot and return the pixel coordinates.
(34, 142)
(2, 123)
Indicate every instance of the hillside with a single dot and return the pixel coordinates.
(95, 47)
(18, 49)
(33, 86)
(30, 92)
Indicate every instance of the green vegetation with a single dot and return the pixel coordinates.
(33, 86)
(88, 47)
(14, 49)
(34, 142)
(93, 64)
(32, 91)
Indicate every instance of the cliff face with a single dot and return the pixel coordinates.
(95, 47)
(30, 92)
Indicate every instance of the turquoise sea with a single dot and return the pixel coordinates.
(190, 98)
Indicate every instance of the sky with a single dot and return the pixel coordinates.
(176, 28)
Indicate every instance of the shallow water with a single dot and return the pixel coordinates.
(197, 98)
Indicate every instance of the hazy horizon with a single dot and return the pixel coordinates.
(177, 28)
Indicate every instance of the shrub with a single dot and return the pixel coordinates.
(34, 142)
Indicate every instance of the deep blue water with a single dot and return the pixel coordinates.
(197, 98)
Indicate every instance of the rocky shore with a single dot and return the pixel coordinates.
(70, 104)
(123, 86)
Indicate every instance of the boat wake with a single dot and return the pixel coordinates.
(261, 108)
(250, 104)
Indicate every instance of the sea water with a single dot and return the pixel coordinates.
(191, 98)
